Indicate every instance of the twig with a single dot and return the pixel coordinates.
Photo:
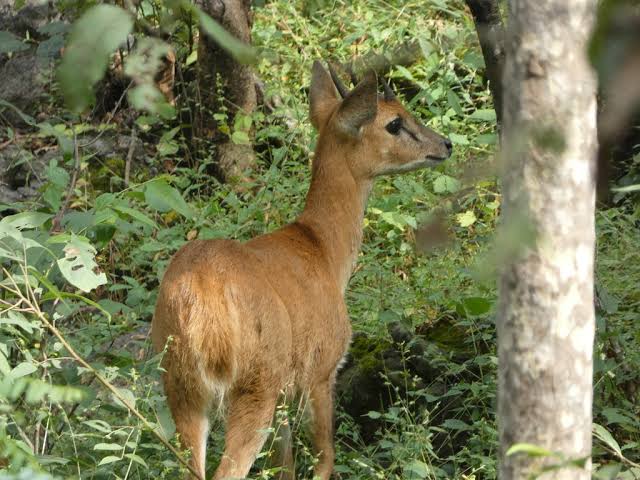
(32, 302)
(55, 223)
(620, 457)
(132, 147)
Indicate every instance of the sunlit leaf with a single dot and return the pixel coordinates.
(445, 184)
(529, 449)
(114, 447)
(466, 219)
(22, 369)
(605, 437)
(78, 265)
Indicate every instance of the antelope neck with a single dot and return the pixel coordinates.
(334, 210)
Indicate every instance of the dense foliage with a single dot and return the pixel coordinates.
(81, 261)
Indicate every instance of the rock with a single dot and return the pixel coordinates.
(110, 145)
(30, 18)
(20, 175)
(23, 81)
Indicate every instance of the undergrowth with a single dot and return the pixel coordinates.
(59, 422)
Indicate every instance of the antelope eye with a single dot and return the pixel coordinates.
(394, 126)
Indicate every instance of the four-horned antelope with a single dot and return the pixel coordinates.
(252, 320)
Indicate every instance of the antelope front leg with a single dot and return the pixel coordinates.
(322, 428)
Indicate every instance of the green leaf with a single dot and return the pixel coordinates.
(605, 437)
(136, 215)
(619, 416)
(484, 115)
(486, 139)
(99, 425)
(396, 219)
(608, 472)
(530, 449)
(466, 219)
(416, 469)
(627, 189)
(78, 264)
(114, 447)
(240, 137)
(94, 36)
(476, 305)
(137, 459)
(239, 50)
(26, 220)
(455, 424)
(458, 139)
(56, 27)
(17, 319)
(127, 395)
(5, 368)
(454, 102)
(159, 195)
(109, 459)
(10, 43)
(22, 370)
(51, 47)
(445, 184)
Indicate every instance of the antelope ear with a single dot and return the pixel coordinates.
(323, 96)
(359, 107)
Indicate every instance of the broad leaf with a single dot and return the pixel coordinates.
(466, 219)
(78, 265)
(605, 437)
(94, 36)
(242, 52)
(161, 196)
(445, 184)
(10, 43)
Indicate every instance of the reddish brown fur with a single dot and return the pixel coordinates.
(251, 321)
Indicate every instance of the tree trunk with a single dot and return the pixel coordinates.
(546, 313)
(486, 16)
(226, 86)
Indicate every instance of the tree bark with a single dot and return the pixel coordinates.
(225, 86)
(546, 313)
(486, 16)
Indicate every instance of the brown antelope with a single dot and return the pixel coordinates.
(253, 321)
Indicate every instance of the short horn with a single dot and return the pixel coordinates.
(388, 93)
(338, 83)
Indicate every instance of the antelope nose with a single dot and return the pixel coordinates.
(449, 145)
